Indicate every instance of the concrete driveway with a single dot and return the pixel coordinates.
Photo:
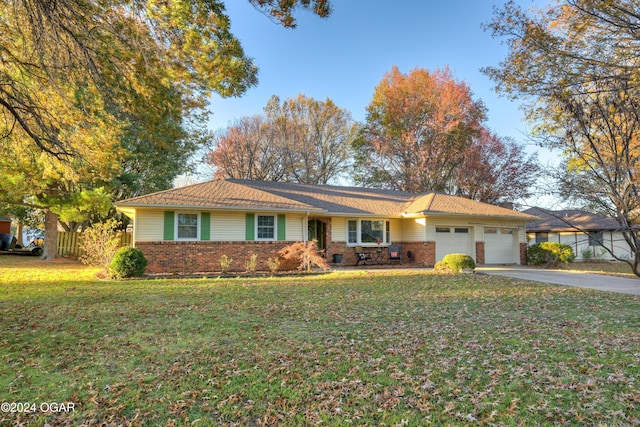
(558, 277)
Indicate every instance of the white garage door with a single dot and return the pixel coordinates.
(453, 240)
(501, 245)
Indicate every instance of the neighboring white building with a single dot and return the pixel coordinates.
(585, 232)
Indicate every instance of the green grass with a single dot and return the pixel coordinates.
(341, 349)
(604, 267)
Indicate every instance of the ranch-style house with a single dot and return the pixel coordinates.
(188, 229)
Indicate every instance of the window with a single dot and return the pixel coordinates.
(462, 230)
(596, 238)
(371, 231)
(352, 231)
(443, 230)
(368, 232)
(388, 235)
(491, 230)
(266, 226)
(187, 226)
(542, 237)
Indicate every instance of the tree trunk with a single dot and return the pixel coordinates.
(50, 236)
(19, 230)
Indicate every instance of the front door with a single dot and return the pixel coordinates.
(318, 231)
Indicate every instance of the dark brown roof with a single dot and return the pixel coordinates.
(246, 194)
(569, 220)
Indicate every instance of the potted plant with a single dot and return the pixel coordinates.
(337, 257)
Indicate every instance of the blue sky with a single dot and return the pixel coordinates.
(345, 56)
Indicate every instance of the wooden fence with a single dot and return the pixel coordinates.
(69, 242)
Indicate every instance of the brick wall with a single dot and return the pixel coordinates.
(204, 256)
(523, 253)
(424, 253)
(479, 253)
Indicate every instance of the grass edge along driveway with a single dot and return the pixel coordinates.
(349, 349)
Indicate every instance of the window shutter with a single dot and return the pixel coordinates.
(205, 226)
(250, 227)
(169, 225)
(282, 227)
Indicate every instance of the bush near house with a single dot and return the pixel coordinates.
(306, 253)
(550, 254)
(127, 262)
(456, 262)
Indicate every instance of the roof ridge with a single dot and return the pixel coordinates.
(430, 197)
(169, 190)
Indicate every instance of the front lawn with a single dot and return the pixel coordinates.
(340, 349)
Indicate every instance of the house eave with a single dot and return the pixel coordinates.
(123, 207)
(468, 215)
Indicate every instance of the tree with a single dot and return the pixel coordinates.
(495, 170)
(78, 77)
(299, 140)
(577, 64)
(417, 129)
(249, 149)
(316, 138)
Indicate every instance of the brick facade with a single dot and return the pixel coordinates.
(171, 257)
(422, 253)
(523, 253)
(479, 253)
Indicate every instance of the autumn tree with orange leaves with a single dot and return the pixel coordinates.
(422, 133)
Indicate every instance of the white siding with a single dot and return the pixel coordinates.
(414, 229)
(149, 226)
(338, 229)
(396, 230)
(228, 226)
(296, 227)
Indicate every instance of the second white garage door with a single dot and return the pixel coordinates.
(501, 245)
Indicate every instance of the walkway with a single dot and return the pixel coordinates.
(567, 278)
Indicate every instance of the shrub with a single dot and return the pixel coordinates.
(456, 262)
(307, 253)
(99, 244)
(273, 264)
(442, 268)
(251, 264)
(550, 254)
(225, 263)
(127, 262)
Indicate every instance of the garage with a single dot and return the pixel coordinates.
(453, 240)
(501, 245)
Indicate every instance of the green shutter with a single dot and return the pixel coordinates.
(282, 227)
(250, 228)
(169, 225)
(205, 226)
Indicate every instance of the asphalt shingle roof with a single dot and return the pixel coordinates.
(246, 194)
(569, 220)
